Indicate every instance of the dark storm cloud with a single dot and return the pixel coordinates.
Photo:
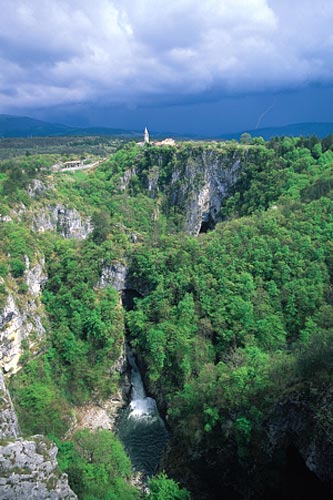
(63, 52)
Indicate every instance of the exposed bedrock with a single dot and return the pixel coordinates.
(22, 317)
(28, 467)
(66, 221)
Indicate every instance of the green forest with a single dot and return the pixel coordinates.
(230, 325)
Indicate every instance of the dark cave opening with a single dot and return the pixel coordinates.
(128, 297)
(207, 225)
(296, 481)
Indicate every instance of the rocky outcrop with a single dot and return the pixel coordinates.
(28, 468)
(115, 275)
(29, 471)
(122, 278)
(126, 178)
(153, 176)
(66, 221)
(5, 218)
(35, 276)
(24, 324)
(12, 334)
(37, 188)
(8, 420)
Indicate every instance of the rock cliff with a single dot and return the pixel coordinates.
(21, 319)
(29, 469)
(66, 221)
(207, 179)
(304, 422)
(8, 420)
(193, 184)
(115, 275)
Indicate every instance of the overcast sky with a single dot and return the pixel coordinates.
(183, 65)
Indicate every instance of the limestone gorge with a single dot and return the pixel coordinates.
(171, 304)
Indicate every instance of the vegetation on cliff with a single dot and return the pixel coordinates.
(227, 323)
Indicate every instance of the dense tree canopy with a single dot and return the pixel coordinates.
(226, 323)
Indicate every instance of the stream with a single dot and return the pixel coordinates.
(141, 429)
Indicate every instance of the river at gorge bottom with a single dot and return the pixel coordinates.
(141, 429)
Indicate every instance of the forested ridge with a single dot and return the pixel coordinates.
(233, 327)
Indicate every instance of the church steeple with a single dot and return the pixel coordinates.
(146, 136)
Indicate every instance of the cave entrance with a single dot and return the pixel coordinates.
(128, 297)
(207, 225)
(296, 481)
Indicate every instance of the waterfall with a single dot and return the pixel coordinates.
(138, 390)
(141, 429)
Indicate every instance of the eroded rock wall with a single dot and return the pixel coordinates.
(66, 221)
(29, 471)
(200, 185)
(8, 421)
(193, 181)
(22, 317)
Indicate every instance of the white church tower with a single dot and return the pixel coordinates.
(146, 139)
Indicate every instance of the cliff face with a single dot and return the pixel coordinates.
(22, 317)
(8, 420)
(193, 182)
(29, 469)
(66, 221)
(207, 178)
(304, 421)
(115, 275)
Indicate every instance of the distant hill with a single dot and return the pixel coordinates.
(294, 129)
(23, 126)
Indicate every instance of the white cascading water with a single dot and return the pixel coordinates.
(141, 428)
(140, 405)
